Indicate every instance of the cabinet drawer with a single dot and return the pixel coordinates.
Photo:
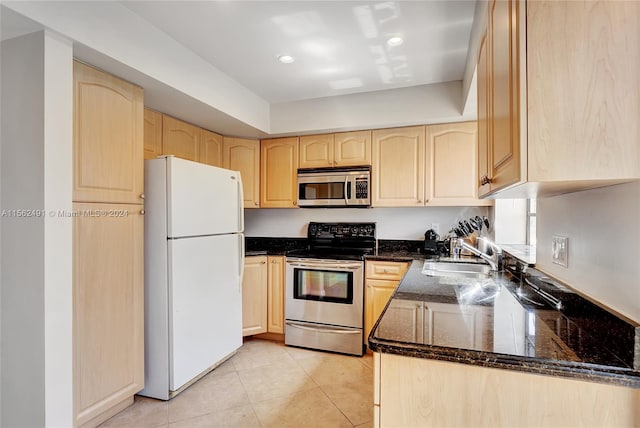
(386, 270)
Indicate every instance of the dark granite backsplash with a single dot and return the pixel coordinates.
(274, 246)
(393, 246)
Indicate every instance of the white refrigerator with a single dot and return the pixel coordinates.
(194, 258)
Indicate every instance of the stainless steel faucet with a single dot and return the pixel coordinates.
(494, 260)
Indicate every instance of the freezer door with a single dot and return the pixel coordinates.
(202, 199)
(205, 305)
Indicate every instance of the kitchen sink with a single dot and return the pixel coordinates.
(468, 270)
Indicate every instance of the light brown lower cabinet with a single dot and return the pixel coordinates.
(108, 309)
(381, 279)
(275, 299)
(419, 392)
(254, 296)
(263, 295)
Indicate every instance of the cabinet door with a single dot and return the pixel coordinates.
(352, 148)
(108, 138)
(244, 156)
(403, 321)
(586, 55)
(504, 147)
(452, 162)
(108, 306)
(316, 151)
(376, 295)
(457, 326)
(278, 172)
(254, 296)
(484, 135)
(180, 139)
(152, 134)
(275, 298)
(210, 148)
(398, 167)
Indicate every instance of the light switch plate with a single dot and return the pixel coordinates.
(560, 250)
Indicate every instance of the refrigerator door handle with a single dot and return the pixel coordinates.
(241, 264)
(240, 205)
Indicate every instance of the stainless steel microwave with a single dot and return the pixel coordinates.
(334, 187)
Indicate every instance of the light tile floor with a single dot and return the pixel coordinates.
(267, 384)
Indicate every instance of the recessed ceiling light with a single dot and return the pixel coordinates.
(286, 59)
(395, 41)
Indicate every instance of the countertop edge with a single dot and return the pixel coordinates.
(506, 362)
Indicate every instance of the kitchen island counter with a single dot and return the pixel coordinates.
(450, 351)
(496, 322)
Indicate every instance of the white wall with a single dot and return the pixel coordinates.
(392, 223)
(426, 104)
(603, 226)
(36, 277)
(510, 220)
(121, 35)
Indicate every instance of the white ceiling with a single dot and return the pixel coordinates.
(339, 46)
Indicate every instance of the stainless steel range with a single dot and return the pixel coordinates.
(325, 287)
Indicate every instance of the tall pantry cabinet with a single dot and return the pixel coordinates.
(108, 262)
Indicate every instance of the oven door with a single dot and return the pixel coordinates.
(324, 291)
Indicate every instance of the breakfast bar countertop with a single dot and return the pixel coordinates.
(501, 323)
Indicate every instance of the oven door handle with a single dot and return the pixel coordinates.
(331, 265)
(322, 328)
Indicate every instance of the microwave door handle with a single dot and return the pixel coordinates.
(346, 190)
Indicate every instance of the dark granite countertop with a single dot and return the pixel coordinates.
(502, 323)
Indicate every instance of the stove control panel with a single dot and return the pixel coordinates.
(341, 230)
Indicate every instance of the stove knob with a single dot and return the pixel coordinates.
(313, 229)
(354, 231)
(369, 230)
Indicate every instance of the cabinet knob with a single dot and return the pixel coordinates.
(256, 204)
(141, 212)
(419, 201)
(485, 180)
(142, 196)
(263, 263)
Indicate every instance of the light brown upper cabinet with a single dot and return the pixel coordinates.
(243, 155)
(352, 148)
(398, 167)
(278, 172)
(108, 138)
(563, 96)
(152, 134)
(452, 164)
(210, 148)
(180, 139)
(484, 186)
(340, 149)
(316, 151)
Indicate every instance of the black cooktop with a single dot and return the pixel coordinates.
(344, 241)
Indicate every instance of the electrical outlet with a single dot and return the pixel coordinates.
(436, 227)
(560, 250)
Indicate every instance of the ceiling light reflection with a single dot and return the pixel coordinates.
(395, 41)
(286, 59)
(367, 24)
(353, 82)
